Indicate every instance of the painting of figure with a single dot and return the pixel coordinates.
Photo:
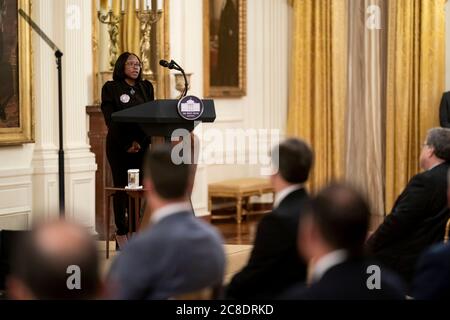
(9, 98)
(225, 47)
(16, 91)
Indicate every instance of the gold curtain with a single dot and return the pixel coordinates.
(365, 132)
(318, 85)
(130, 31)
(415, 83)
(129, 28)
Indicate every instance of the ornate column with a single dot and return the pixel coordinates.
(45, 156)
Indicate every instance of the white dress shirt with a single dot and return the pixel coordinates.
(169, 210)
(327, 262)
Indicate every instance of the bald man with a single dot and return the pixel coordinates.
(58, 260)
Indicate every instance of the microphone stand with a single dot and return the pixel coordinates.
(173, 65)
(186, 84)
(58, 55)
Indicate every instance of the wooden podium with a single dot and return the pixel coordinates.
(103, 178)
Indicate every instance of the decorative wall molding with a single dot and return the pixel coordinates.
(39, 194)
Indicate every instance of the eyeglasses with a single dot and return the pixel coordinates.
(134, 65)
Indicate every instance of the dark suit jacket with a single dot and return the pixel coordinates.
(274, 264)
(122, 135)
(432, 281)
(348, 281)
(444, 110)
(417, 221)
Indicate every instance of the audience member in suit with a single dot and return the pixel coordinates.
(432, 280)
(274, 263)
(178, 253)
(332, 235)
(419, 215)
(444, 110)
(55, 261)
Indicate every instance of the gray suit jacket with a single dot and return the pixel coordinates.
(180, 254)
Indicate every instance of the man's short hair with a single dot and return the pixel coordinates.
(45, 273)
(439, 140)
(294, 159)
(342, 216)
(170, 180)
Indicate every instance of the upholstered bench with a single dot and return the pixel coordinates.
(240, 190)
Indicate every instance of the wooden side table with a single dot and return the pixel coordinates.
(241, 190)
(135, 198)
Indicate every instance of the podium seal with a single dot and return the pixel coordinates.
(190, 108)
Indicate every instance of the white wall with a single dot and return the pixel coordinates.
(29, 173)
(265, 106)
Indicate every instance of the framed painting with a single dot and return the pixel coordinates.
(16, 103)
(225, 48)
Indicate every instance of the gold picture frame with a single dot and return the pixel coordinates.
(225, 70)
(16, 100)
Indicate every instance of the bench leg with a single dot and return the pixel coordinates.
(239, 210)
(210, 204)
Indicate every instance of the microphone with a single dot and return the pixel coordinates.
(173, 65)
(164, 63)
(170, 65)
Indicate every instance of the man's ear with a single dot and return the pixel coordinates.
(431, 152)
(148, 185)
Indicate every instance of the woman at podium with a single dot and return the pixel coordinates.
(126, 144)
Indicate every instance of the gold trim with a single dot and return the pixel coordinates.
(225, 92)
(164, 52)
(95, 59)
(25, 132)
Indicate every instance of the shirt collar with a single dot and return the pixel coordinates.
(169, 210)
(280, 196)
(327, 262)
(436, 165)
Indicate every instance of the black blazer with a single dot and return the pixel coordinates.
(274, 263)
(348, 281)
(432, 280)
(417, 221)
(123, 134)
(444, 110)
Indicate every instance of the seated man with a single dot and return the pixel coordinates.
(274, 264)
(55, 261)
(178, 253)
(432, 280)
(332, 234)
(418, 218)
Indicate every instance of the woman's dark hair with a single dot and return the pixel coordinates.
(119, 68)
